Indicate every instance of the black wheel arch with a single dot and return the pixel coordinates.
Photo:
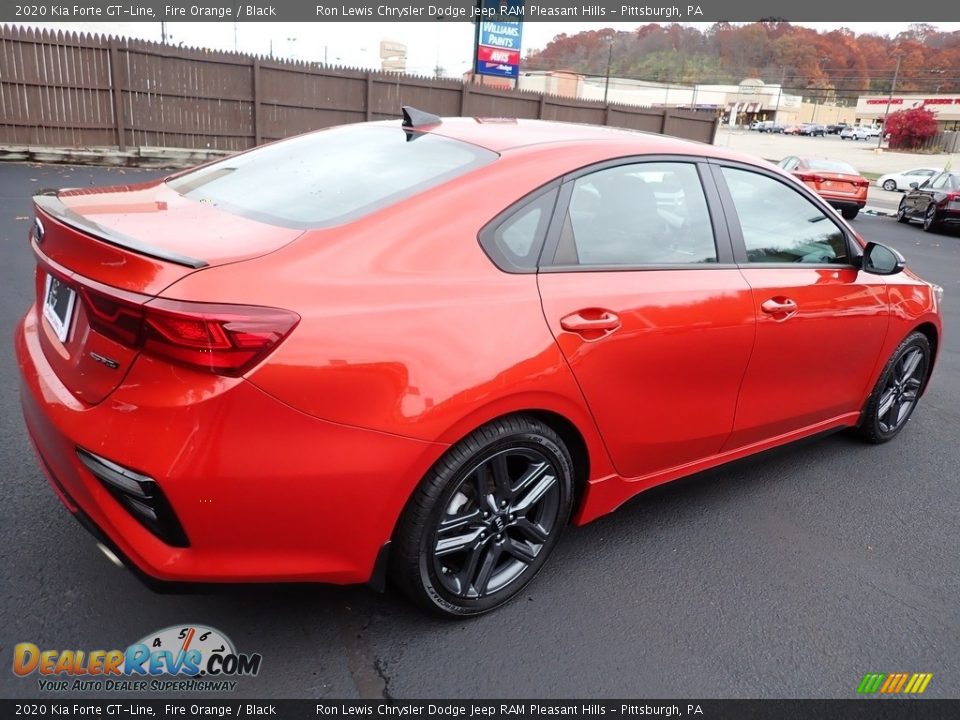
(929, 331)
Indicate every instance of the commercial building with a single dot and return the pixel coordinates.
(873, 108)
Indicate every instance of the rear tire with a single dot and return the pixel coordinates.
(483, 521)
(930, 223)
(895, 396)
(850, 213)
(889, 185)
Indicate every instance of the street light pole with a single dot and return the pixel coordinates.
(783, 79)
(606, 84)
(893, 87)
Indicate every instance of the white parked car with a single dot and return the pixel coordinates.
(902, 180)
(861, 132)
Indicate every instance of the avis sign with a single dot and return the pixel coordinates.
(498, 40)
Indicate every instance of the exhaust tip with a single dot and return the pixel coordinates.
(110, 555)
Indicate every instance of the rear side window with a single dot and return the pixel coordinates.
(641, 214)
(330, 177)
(514, 240)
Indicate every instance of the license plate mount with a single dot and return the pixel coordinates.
(58, 303)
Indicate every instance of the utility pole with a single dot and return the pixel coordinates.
(783, 79)
(606, 84)
(893, 87)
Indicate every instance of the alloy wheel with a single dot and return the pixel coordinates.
(902, 390)
(889, 185)
(930, 218)
(495, 522)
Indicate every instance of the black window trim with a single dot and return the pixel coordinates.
(718, 220)
(854, 250)
(487, 237)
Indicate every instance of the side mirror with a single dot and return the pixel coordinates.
(882, 260)
(914, 186)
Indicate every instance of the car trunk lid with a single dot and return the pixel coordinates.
(832, 182)
(103, 252)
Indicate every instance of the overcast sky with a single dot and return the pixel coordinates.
(448, 44)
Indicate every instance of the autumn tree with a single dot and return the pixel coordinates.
(910, 129)
(814, 64)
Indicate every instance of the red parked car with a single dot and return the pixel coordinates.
(421, 350)
(835, 181)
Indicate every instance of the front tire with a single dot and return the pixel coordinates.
(902, 212)
(482, 522)
(889, 185)
(895, 396)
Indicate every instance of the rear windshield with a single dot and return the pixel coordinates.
(332, 176)
(830, 166)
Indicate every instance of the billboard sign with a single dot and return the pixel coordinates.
(498, 40)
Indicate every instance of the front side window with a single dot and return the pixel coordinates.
(780, 225)
(332, 176)
(640, 214)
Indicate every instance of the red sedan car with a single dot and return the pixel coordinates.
(835, 181)
(422, 349)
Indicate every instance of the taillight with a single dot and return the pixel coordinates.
(222, 339)
(117, 316)
(811, 178)
(953, 201)
(861, 183)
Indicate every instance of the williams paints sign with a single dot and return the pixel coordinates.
(498, 39)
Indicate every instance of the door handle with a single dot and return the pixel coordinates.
(591, 321)
(779, 306)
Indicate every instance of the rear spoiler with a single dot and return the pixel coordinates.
(52, 205)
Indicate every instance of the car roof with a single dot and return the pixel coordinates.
(504, 134)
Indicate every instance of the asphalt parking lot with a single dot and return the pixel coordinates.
(788, 575)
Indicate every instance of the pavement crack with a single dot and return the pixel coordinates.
(381, 667)
(366, 671)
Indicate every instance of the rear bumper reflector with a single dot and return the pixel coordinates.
(140, 495)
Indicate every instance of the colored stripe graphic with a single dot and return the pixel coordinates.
(894, 683)
(871, 683)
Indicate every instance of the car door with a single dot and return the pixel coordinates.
(820, 321)
(925, 194)
(639, 289)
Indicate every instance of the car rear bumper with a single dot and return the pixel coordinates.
(949, 217)
(264, 493)
(845, 203)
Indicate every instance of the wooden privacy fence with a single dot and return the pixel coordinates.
(74, 90)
